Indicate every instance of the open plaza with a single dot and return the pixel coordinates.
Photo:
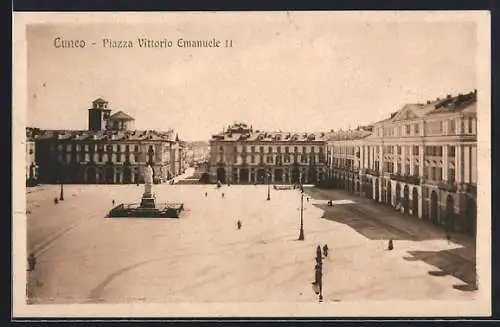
(85, 257)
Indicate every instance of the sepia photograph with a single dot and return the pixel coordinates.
(251, 164)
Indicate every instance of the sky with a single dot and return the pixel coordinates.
(285, 71)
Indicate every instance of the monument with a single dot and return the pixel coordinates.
(148, 208)
(148, 198)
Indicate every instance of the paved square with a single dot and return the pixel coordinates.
(84, 257)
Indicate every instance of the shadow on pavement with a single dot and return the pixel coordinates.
(449, 263)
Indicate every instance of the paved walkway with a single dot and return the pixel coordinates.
(378, 221)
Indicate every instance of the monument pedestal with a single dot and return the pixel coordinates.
(148, 201)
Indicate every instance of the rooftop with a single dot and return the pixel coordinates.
(120, 115)
(79, 135)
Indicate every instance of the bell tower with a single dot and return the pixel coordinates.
(99, 115)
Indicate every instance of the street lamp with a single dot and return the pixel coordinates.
(61, 196)
(268, 185)
(317, 285)
(301, 235)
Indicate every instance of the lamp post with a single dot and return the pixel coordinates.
(301, 235)
(268, 185)
(61, 196)
(318, 268)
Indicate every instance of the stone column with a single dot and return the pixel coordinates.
(473, 177)
(445, 162)
(395, 159)
(421, 162)
(403, 159)
(381, 161)
(412, 161)
(459, 163)
(420, 203)
(467, 164)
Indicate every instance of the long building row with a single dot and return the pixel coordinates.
(422, 160)
(110, 151)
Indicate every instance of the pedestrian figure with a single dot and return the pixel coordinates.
(238, 224)
(307, 199)
(325, 250)
(390, 247)
(448, 237)
(222, 195)
(113, 203)
(56, 201)
(31, 262)
(206, 194)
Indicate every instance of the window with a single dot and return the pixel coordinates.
(279, 149)
(451, 151)
(99, 157)
(118, 157)
(303, 158)
(136, 148)
(252, 158)
(270, 150)
(221, 148)
(252, 149)
(451, 175)
(417, 129)
(399, 168)
(295, 149)
(136, 158)
(470, 125)
(261, 149)
(304, 149)
(127, 148)
(415, 150)
(440, 127)
(451, 127)
(118, 148)
(408, 129)
(269, 159)
(399, 149)
(416, 170)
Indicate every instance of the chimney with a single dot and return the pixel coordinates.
(428, 101)
(448, 96)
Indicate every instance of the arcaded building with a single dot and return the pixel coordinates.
(242, 155)
(421, 160)
(108, 152)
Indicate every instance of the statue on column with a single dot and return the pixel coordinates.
(148, 180)
(148, 198)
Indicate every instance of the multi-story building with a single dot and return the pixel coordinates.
(109, 152)
(421, 160)
(31, 165)
(242, 155)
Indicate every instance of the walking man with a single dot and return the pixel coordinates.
(206, 194)
(325, 250)
(113, 203)
(222, 195)
(238, 224)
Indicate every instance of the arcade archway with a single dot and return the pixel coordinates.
(221, 175)
(414, 197)
(434, 207)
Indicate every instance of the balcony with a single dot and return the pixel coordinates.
(372, 172)
(449, 186)
(415, 180)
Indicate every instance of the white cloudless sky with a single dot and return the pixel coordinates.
(294, 72)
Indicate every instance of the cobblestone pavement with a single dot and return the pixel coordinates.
(84, 257)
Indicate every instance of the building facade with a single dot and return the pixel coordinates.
(108, 152)
(422, 160)
(241, 155)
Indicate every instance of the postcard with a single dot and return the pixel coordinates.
(251, 164)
